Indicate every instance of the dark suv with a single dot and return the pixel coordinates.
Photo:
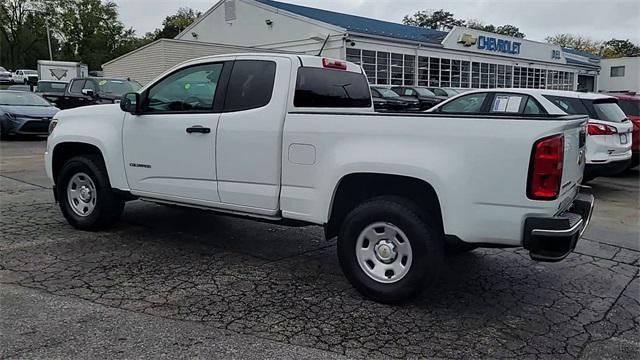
(427, 98)
(93, 91)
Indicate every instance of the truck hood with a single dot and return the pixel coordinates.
(91, 111)
(30, 111)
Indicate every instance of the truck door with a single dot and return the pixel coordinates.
(249, 146)
(170, 149)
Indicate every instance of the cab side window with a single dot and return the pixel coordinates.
(76, 86)
(471, 103)
(250, 85)
(190, 89)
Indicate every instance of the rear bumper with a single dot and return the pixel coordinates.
(553, 238)
(606, 169)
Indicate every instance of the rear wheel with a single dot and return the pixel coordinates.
(85, 195)
(389, 250)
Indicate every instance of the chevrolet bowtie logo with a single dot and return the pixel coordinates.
(467, 40)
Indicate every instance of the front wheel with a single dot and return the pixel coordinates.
(85, 195)
(389, 250)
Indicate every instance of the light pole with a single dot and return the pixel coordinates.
(46, 21)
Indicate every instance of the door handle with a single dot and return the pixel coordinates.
(198, 129)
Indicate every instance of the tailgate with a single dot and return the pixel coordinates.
(575, 138)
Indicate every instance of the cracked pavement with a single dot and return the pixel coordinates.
(171, 282)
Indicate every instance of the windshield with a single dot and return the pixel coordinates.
(630, 107)
(118, 87)
(451, 92)
(54, 87)
(608, 111)
(387, 92)
(424, 92)
(20, 98)
(30, 72)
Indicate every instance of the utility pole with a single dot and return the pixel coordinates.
(46, 21)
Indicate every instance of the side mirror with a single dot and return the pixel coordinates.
(130, 102)
(88, 92)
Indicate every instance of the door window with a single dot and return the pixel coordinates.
(250, 85)
(471, 103)
(408, 92)
(76, 87)
(90, 85)
(507, 103)
(190, 89)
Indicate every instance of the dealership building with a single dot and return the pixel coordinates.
(390, 53)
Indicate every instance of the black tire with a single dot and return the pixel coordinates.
(108, 206)
(424, 237)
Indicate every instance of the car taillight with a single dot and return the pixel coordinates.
(600, 129)
(545, 171)
(334, 64)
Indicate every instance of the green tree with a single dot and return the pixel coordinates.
(23, 34)
(576, 42)
(175, 24)
(507, 30)
(438, 20)
(615, 48)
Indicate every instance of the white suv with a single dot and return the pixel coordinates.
(609, 130)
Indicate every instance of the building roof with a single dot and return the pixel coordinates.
(581, 63)
(363, 25)
(581, 53)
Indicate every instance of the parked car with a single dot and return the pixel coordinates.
(427, 98)
(24, 113)
(379, 104)
(630, 104)
(51, 90)
(443, 91)
(395, 102)
(23, 76)
(609, 131)
(19, 87)
(294, 139)
(5, 76)
(92, 91)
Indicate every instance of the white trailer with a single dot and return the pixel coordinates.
(61, 70)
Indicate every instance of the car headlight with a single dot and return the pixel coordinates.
(52, 125)
(10, 116)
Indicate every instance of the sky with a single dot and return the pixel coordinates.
(595, 19)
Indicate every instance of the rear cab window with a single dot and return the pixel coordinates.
(330, 88)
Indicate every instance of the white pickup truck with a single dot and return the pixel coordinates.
(294, 139)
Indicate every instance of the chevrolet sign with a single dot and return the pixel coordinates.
(490, 43)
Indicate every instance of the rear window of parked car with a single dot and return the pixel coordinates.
(324, 88)
(601, 109)
(630, 107)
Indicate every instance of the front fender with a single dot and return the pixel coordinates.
(99, 126)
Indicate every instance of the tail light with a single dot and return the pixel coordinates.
(545, 170)
(600, 129)
(334, 64)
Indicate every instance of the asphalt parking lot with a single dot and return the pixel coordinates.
(170, 282)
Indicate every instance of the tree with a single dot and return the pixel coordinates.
(174, 24)
(438, 20)
(615, 48)
(510, 30)
(23, 36)
(507, 30)
(576, 42)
